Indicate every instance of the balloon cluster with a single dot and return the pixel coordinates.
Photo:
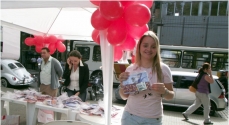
(124, 21)
(52, 42)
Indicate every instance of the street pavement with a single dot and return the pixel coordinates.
(172, 115)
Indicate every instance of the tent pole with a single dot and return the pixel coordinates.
(53, 21)
(107, 67)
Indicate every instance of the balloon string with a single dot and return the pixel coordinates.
(53, 21)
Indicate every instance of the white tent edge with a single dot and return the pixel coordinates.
(17, 4)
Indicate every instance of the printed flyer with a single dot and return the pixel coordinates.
(136, 82)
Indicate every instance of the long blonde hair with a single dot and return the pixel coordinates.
(156, 67)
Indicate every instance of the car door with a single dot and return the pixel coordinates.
(183, 96)
(172, 101)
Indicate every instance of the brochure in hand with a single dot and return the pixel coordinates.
(136, 82)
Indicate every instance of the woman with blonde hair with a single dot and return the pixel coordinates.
(145, 107)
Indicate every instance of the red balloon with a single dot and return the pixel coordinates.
(46, 40)
(127, 3)
(149, 3)
(52, 39)
(38, 40)
(52, 52)
(137, 32)
(29, 41)
(117, 32)
(95, 2)
(128, 44)
(95, 36)
(38, 48)
(98, 21)
(60, 47)
(111, 10)
(117, 53)
(137, 15)
(52, 47)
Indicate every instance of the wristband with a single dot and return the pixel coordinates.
(166, 93)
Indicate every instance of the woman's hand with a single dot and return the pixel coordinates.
(166, 90)
(159, 88)
(77, 94)
(123, 76)
(210, 71)
(69, 63)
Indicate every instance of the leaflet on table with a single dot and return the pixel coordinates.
(136, 82)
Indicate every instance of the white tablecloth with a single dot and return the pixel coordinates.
(32, 110)
(98, 120)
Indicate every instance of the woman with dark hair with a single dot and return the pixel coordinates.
(76, 75)
(202, 93)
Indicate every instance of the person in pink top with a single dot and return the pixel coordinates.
(145, 107)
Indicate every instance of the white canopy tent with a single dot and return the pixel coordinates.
(70, 23)
(70, 19)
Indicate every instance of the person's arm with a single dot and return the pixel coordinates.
(121, 93)
(85, 78)
(67, 71)
(169, 93)
(209, 78)
(58, 69)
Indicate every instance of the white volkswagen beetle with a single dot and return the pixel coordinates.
(14, 73)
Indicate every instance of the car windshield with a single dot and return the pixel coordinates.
(12, 66)
(19, 65)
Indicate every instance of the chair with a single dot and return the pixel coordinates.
(66, 122)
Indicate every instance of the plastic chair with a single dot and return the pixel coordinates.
(66, 122)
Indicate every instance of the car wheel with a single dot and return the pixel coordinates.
(4, 82)
(213, 109)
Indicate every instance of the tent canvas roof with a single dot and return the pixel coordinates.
(69, 22)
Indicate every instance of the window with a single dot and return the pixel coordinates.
(179, 8)
(186, 81)
(96, 54)
(171, 57)
(170, 9)
(12, 66)
(175, 81)
(85, 52)
(187, 9)
(223, 8)
(195, 60)
(205, 8)
(19, 65)
(195, 7)
(219, 61)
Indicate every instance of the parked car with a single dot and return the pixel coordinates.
(184, 98)
(14, 73)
